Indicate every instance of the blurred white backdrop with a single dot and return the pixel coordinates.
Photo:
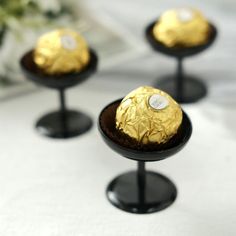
(57, 188)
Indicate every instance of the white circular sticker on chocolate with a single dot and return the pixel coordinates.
(158, 102)
(68, 42)
(184, 15)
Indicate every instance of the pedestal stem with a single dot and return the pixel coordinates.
(141, 179)
(64, 127)
(179, 80)
(62, 100)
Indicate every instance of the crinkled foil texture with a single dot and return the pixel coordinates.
(137, 119)
(54, 58)
(173, 32)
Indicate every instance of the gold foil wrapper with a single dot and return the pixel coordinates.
(183, 27)
(149, 115)
(61, 51)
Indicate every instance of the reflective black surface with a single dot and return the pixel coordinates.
(32, 72)
(178, 52)
(125, 193)
(146, 155)
(179, 86)
(141, 191)
(63, 123)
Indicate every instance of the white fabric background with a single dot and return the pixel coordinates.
(57, 188)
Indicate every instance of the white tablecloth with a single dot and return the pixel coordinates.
(57, 187)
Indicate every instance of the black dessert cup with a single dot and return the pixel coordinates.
(183, 88)
(63, 123)
(140, 191)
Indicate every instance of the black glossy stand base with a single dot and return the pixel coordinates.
(125, 193)
(65, 124)
(193, 89)
(62, 123)
(140, 191)
(182, 88)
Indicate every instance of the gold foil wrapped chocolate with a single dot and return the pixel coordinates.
(183, 27)
(149, 115)
(61, 51)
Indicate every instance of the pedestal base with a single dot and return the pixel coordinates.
(125, 193)
(193, 89)
(64, 124)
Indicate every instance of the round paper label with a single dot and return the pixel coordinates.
(158, 102)
(68, 42)
(185, 15)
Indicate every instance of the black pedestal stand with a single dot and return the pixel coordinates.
(140, 191)
(63, 123)
(184, 89)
